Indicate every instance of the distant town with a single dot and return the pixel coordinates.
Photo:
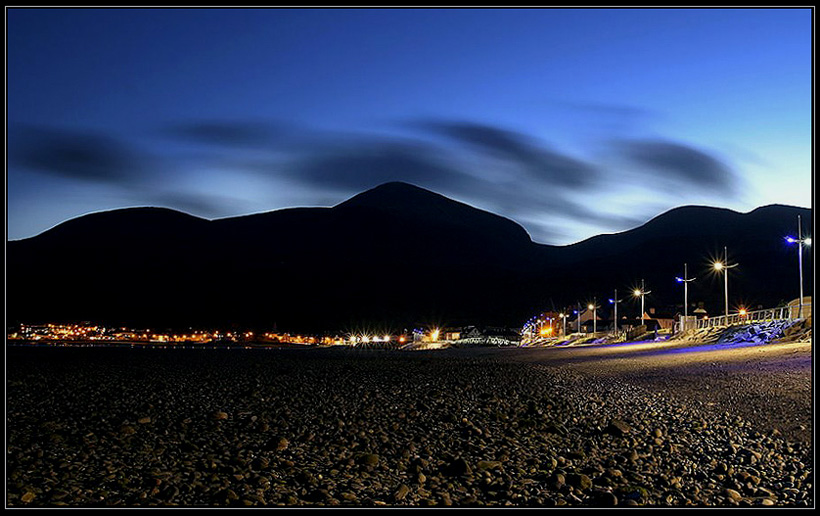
(97, 334)
(542, 328)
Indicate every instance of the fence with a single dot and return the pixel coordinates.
(769, 314)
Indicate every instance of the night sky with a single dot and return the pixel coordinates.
(570, 122)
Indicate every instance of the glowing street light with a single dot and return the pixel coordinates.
(641, 292)
(800, 241)
(594, 307)
(685, 282)
(724, 268)
(564, 317)
(615, 302)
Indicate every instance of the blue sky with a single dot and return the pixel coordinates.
(570, 122)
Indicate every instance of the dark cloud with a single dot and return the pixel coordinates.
(543, 211)
(539, 161)
(230, 133)
(366, 164)
(492, 168)
(679, 163)
(86, 156)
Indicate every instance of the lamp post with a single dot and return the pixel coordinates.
(564, 317)
(800, 243)
(578, 319)
(685, 282)
(642, 292)
(724, 267)
(594, 308)
(615, 302)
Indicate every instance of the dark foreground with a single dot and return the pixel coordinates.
(141, 427)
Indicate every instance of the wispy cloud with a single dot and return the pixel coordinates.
(540, 162)
(491, 167)
(79, 155)
(680, 163)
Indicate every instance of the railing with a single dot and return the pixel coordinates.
(792, 312)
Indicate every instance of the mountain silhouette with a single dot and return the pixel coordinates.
(391, 258)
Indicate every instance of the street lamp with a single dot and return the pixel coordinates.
(642, 292)
(594, 308)
(685, 282)
(724, 268)
(615, 302)
(800, 243)
(564, 317)
(578, 319)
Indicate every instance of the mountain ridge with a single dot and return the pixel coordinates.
(396, 254)
(355, 201)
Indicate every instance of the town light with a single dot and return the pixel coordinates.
(594, 307)
(724, 267)
(800, 243)
(685, 280)
(641, 292)
(615, 302)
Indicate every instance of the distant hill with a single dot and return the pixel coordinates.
(393, 257)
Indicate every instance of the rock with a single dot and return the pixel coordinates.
(144, 420)
(401, 493)
(458, 468)
(618, 428)
(485, 465)
(579, 481)
(27, 497)
(614, 473)
(219, 415)
(260, 463)
(731, 493)
(368, 459)
(555, 428)
(577, 455)
(604, 498)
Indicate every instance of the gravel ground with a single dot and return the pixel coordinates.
(338, 427)
(769, 385)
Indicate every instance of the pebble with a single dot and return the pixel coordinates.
(618, 428)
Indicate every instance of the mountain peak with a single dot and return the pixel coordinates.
(395, 194)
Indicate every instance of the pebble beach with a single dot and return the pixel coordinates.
(351, 427)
